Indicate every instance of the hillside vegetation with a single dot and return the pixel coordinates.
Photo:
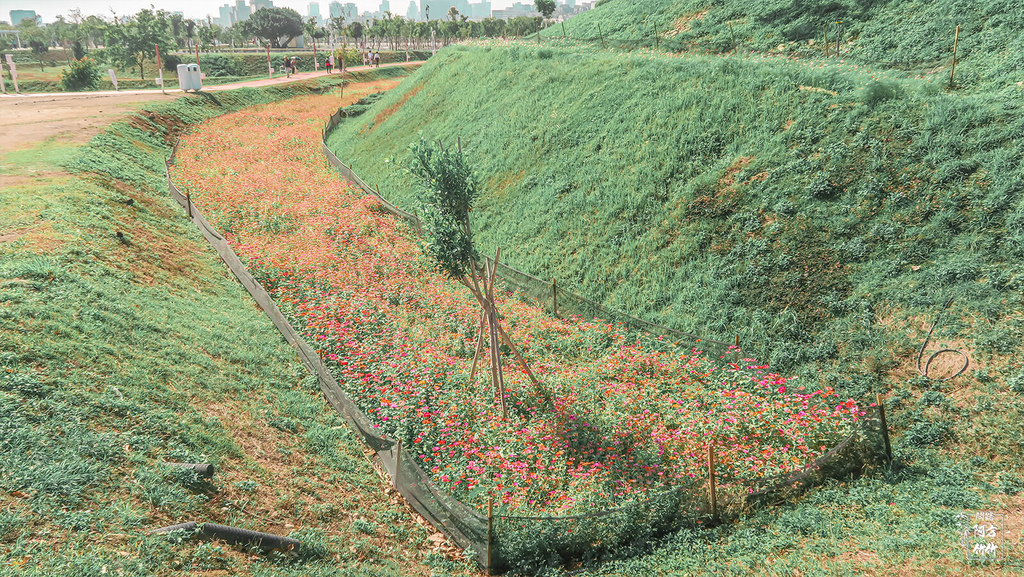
(915, 35)
(824, 211)
(125, 344)
(821, 213)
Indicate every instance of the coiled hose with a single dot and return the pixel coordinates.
(928, 363)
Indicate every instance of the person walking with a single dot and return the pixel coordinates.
(329, 63)
(295, 64)
(376, 59)
(287, 67)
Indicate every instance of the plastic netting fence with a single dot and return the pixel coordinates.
(501, 541)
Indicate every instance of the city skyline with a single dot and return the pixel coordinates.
(48, 10)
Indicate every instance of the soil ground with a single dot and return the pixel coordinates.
(76, 117)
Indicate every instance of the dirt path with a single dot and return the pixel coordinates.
(27, 119)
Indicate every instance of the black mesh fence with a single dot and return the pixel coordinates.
(503, 539)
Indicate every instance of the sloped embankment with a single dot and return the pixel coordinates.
(822, 213)
(125, 344)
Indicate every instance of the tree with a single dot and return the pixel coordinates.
(40, 49)
(449, 190)
(453, 14)
(133, 43)
(356, 28)
(38, 38)
(207, 35)
(275, 26)
(545, 7)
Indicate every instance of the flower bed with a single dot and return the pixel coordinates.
(625, 416)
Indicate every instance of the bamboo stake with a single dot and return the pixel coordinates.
(824, 31)
(563, 30)
(711, 481)
(495, 351)
(603, 45)
(952, 70)
(515, 351)
(188, 199)
(885, 427)
(398, 464)
(733, 34)
(490, 532)
(554, 296)
(479, 345)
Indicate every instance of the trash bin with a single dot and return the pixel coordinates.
(197, 79)
(184, 77)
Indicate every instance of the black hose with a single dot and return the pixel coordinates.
(264, 541)
(190, 526)
(204, 470)
(235, 536)
(928, 363)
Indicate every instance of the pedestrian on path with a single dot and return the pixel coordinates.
(287, 67)
(376, 59)
(329, 63)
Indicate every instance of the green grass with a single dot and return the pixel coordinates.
(824, 213)
(117, 356)
(812, 211)
(914, 35)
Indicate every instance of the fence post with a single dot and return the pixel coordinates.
(952, 70)
(490, 533)
(554, 296)
(885, 427)
(711, 480)
(188, 201)
(398, 464)
(824, 31)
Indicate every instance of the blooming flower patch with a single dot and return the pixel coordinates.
(620, 415)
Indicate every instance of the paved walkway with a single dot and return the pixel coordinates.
(212, 88)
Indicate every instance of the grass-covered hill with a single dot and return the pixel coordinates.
(915, 35)
(823, 213)
(126, 344)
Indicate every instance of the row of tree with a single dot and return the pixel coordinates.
(131, 40)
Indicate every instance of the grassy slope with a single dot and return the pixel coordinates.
(818, 213)
(118, 356)
(824, 213)
(916, 35)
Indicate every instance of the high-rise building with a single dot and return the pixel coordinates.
(335, 9)
(385, 6)
(516, 10)
(225, 18)
(350, 11)
(480, 10)
(313, 10)
(413, 13)
(257, 4)
(18, 15)
(242, 12)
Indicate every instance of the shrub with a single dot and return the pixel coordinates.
(877, 92)
(82, 74)
(218, 65)
(927, 433)
(171, 62)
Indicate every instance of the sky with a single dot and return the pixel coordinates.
(50, 9)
